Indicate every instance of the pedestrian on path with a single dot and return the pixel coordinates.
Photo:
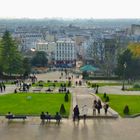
(106, 106)
(94, 107)
(76, 113)
(1, 89)
(61, 74)
(76, 83)
(4, 87)
(98, 106)
(42, 117)
(80, 83)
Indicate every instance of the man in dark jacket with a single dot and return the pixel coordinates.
(76, 113)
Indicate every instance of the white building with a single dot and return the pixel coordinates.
(48, 47)
(65, 53)
(135, 29)
(28, 40)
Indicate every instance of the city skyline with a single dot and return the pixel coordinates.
(97, 9)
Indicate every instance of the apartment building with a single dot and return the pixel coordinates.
(65, 53)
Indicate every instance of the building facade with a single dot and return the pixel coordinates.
(65, 53)
(49, 48)
(28, 40)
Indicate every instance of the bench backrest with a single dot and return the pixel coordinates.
(9, 116)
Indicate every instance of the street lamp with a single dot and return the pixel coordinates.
(124, 68)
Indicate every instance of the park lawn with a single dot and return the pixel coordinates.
(33, 103)
(133, 89)
(105, 84)
(49, 84)
(118, 102)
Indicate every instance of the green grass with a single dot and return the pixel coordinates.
(105, 84)
(133, 89)
(9, 83)
(33, 103)
(49, 84)
(118, 102)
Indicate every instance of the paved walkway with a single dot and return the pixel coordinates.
(85, 96)
(9, 89)
(117, 90)
(92, 129)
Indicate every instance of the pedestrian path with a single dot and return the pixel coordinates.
(84, 96)
(81, 95)
(9, 89)
(117, 90)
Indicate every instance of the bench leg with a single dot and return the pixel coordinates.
(48, 120)
(58, 122)
(9, 119)
(43, 121)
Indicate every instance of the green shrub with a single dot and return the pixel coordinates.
(101, 78)
(41, 81)
(104, 95)
(66, 97)
(107, 99)
(126, 110)
(136, 86)
(69, 84)
(62, 109)
(88, 83)
(85, 75)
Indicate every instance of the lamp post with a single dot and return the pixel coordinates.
(124, 68)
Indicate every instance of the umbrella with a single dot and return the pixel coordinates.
(89, 68)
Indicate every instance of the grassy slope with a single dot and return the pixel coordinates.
(117, 102)
(133, 89)
(106, 84)
(32, 104)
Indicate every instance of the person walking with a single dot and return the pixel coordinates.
(42, 117)
(106, 106)
(1, 89)
(76, 83)
(99, 106)
(4, 87)
(94, 107)
(76, 113)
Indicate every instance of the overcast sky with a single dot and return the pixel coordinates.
(70, 8)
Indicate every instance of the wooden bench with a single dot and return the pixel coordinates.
(36, 90)
(62, 90)
(10, 117)
(21, 90)
(49, 90)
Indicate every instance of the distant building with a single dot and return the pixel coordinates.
(94, 51)
(135, 33)
(135, 29)
(79, 39)
(28, 40)
(48, 47)
(50, 38)
(65, 53)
